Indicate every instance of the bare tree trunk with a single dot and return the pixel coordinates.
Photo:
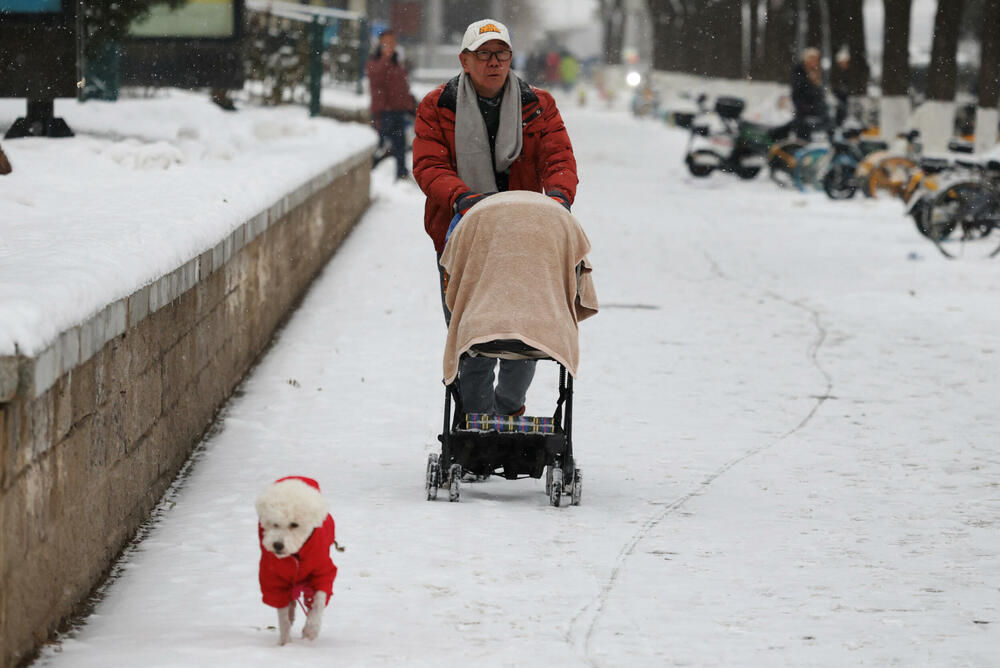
(690, 36)
(943, 69)
(847, 30)
(987, 114)
(813, 23)
(613, 22)
(754, 52)
(721, 40)
(936, 116)
(896, 48)
(894, 114)
(989, 66)
(779, 41)
(666, 34)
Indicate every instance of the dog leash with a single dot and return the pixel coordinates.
(303, 594)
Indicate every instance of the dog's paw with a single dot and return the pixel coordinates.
(310, 631)
(284, 639)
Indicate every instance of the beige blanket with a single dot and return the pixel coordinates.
(518, 270)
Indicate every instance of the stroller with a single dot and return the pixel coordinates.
(519, 282)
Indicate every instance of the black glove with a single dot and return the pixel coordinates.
(466, 201)
(560, 197)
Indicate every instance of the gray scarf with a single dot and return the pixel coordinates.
(472, 145)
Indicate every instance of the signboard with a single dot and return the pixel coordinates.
(30, 6)
(198, 18)
(196, 45)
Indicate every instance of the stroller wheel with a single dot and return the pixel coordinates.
(577, 487)
(433, 479)
(455, 474)
(556, 488)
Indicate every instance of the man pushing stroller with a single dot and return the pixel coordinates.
(486, 131)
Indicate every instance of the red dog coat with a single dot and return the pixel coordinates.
(310, 570)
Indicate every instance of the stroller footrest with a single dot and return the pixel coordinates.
(522, 424)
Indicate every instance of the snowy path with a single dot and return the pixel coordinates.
(790, 435)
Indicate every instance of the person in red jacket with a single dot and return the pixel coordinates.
(391, 100)
(482, 132)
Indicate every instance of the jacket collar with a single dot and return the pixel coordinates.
(312, 547)
(449, 96)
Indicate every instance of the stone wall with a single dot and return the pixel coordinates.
(95, 428)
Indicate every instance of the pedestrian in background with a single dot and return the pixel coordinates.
(391, 101)
(551, 70)
(840, 84)
(534, 68)
(808, 96)
(569, 71)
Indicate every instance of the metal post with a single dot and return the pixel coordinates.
(315, 65)
(39, 121)
(433, 32)
(362, 54)
(81, 33)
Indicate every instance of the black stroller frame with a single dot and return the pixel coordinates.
(511, 454)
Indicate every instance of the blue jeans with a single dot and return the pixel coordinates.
(392, 130)
(475, 377)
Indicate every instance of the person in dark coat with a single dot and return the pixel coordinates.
(840, 84)
(808, 96)
(391, 100)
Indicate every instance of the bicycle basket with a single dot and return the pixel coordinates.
(682, 119)
(867, 146)
(729, 107)
(755, 135)
(931, 165)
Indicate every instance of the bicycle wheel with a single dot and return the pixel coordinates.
(890, 175)
(963, 220)
(701, 163)
(838, 182)
(919, 212)
(781, 161)
(865, 167)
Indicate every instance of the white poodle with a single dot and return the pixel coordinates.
(296, 533)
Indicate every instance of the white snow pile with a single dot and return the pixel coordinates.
(143, 187)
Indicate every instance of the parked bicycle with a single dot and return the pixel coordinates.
(956, 205)
(889, 170)
(789, 142)
(831, 167)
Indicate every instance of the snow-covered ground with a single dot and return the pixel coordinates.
(788, 418)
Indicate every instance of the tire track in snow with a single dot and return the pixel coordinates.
(582, 626)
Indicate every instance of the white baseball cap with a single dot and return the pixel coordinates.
(483, 31)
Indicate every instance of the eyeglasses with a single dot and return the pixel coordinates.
(484, 55)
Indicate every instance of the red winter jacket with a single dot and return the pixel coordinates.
(546, 161)
(389, 87)
(311, 568)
